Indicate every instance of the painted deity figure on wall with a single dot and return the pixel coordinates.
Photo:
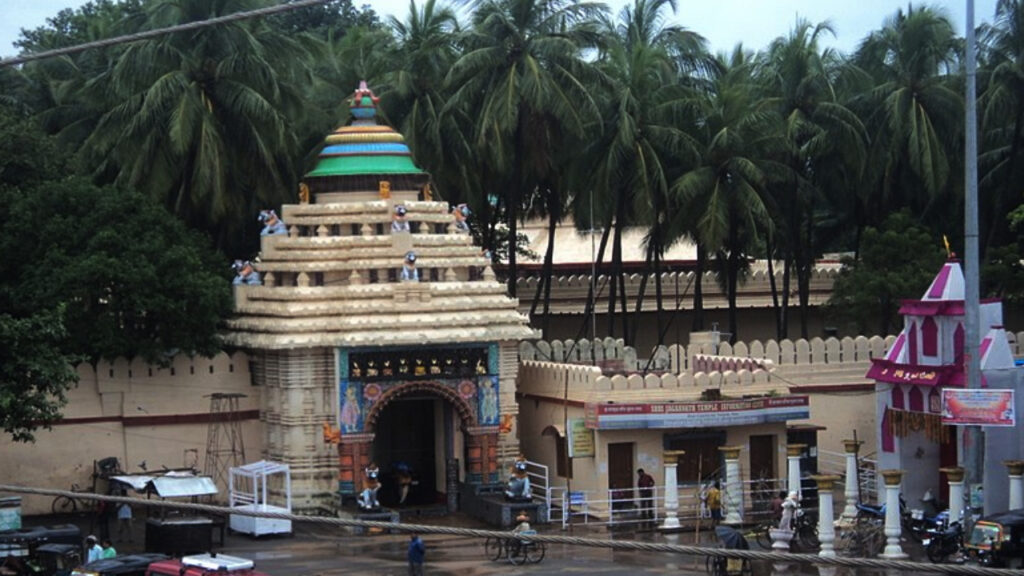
(488, 398)
(519, 484)
(351, 409)
(272, 224)
(368, 497)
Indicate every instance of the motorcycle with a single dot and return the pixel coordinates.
(943, 543)
(915, 524)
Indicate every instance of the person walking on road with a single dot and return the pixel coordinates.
(645, 484)
(417, 552)
(715, 503)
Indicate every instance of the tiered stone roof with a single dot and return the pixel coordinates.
(334, 279)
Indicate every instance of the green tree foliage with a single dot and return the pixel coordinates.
(914, 111)
(523, 76)
(34, 370)
(34, 373)
(897, 261)
(135, 281)
(532, 108)
(327, 19)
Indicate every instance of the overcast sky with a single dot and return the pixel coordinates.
(723, 22)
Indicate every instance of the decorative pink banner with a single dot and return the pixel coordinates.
(970, 407)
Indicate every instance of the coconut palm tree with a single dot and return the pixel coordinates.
(202, 119)
(523, 74)
(413, 97)
(727, 193)
(641, 140)
(1002, 106)
(820, 132)
(914, 113)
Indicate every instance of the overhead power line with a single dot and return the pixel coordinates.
(161, 31)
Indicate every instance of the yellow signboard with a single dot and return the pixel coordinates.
(581, 440)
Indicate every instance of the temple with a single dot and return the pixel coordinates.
(379, 328)
(925, 359)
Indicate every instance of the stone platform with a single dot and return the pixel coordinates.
(382, 515)
(487, 502)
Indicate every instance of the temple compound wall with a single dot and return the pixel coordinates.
(146, 416)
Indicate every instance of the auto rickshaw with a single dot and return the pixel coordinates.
(998, 540)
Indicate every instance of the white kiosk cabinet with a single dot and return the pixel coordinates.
(248, 490)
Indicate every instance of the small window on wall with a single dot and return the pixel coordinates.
(929, 337)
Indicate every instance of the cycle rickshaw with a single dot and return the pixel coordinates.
(730, 539)
(517, 550)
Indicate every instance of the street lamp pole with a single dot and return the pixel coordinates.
(973, 437)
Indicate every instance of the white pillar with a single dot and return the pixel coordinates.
(793, 452)
(826, 528)
(851, 492)
(1016, 469)
(892, 515)
(671, 459)
(733, 484)
(955, 476)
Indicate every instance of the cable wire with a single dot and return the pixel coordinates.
(160, 32)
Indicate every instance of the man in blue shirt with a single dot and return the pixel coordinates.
(417, 550)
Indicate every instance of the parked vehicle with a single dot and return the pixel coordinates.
(805, 530)
(998, 540)
(941, 543)
(204, 565)
(913, 524)
(128, 565)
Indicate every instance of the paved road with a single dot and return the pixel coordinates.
(315, 550)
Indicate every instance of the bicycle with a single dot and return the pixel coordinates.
(762, 534)
(863, 539)
(68, 505)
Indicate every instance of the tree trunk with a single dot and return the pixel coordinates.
(698, 290)
(731, 273)
(658, 315)
(555, 213)
(598, 265)
(805, 270)
(617, 282)
(770, 254)
(641, 292)
(549, 254)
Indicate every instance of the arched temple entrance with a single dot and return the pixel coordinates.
(429, 430)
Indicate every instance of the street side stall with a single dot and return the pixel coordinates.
(173, 531)
(251, 489)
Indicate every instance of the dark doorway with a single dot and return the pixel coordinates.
(763, 472)
(405, 440)
(620, 473)
(702, 461)
(762, 457)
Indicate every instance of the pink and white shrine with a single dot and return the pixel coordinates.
(927, 356)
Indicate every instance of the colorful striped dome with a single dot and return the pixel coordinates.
(364, 147)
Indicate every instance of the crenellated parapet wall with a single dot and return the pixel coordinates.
(711, 356)
(553, 380)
